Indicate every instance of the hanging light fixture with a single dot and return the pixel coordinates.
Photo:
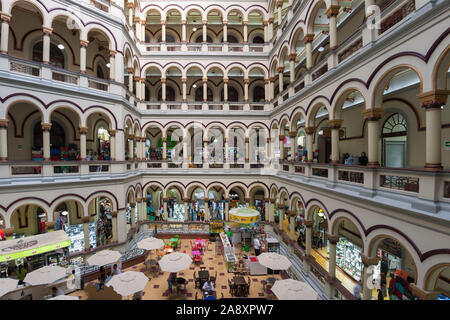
(61, 46)
(320, 213)
(108, 65)
(64, 213)
(321, 49)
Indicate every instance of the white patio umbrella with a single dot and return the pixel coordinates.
(274, 261)
(64, 297)
(45, 275)
(175, 262)
(150, 243)
(104, 257)
(7, 285)
(291, 289)
(128, 283)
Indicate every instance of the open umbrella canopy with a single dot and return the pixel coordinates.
(150, 243)
(274, 261)
(128, 282)
(104, 257)
(175, 262)
(291, 289)
(64, 297)
(45, 275)
(7, 285)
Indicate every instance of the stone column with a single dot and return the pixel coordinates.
(131, 147)
(247, 202)
(332, 13)
(373, 135)
(226, 146)
(3, 140)
(139, 206)
(85, 221)
(83, 134)
(433, 102)
(83, 46)
(227, 209)
(280, 8)
(163, 31)
(292, 224)
(205, 89)
(225, 90)
(163, 89)
(335, 126)
(272, 210)
(246, 81)
(130, 79)
(183, 31)
(225, 31)
(308, 39)
(143, 97)
(266, 209)
(268, 141)
(166, 213)
(266, 89)
(367, 261)
(130, 6)
(280, 78)
(46, 127)
(205, 153)
(164, 141)
(272, 88)
(46, 44)
(112, 135)
(281, 207)
(281, 138)
(6, 18)
(329, 287)
(309, 142)
(245, 24)
(266, 31)
(137, 22)
(292, 135)
(137, 81)
(308, 240)
(143, 23)
(204, 30)
(183, 81)
(112, 65)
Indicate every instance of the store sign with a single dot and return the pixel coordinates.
(21, 244)
(31, 252)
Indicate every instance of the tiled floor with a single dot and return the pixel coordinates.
(157, 286)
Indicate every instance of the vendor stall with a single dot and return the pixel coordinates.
(37, 251)
(228, 252)
(215, 228)
(254, 267)
(244, 215)
(272, 244)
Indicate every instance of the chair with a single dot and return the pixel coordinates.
(232, 287)
(197, 282)
(213, 279)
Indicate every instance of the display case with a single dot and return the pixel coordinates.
(228, 252)
(272, 244)
(348, 258)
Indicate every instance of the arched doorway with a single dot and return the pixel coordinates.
(394, 141)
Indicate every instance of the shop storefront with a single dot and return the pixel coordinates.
(37, 251)
(348, 258)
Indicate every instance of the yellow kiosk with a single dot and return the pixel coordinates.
(244, 215)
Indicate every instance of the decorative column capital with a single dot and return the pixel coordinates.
(114, 214)
(333, 10)
(50, 224)
(163, 80)
(273, 200)
(308, 38)
(280, 69)
(143, 22)
(247, 139)
(266, 199)
(281, 137)
(310, 130)
(84, 130)
(184, 80)
(186, 199)
(333, 238)
(225, 80)
(280, 3)
(163, 22)
(206, 199)
(139, 200)
(281, 206)
(335, 124)
(373, 114)
(245, 23)
(132, 204)
(268, 140)
(266, 80)
(308, 223)
(130, 5)
(5, 17)
(204, 22)
(183, 22)
(246, 80)
(84, 43)
(227, 199)
(292, 134)
(225, 22)
(47, 30)
(247, 200)
(112, 132)
(9, 231)
(265, 23)
(164, 139)
(85, 219)
(4, 123)
(137, 19)
(137, 78)
(205, 79)
(271, 20)
(130, 70)
(273, 79)
(369, 261)
(112, 53)
(434, 99)
(292, 56)
(46, 126)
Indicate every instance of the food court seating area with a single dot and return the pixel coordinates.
(226, 285)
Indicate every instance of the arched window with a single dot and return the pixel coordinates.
(199, 94)
(170, 94)
(147, 93)
(56, 55)
(231, 39)
(100, 73)
(394, 139)
(199, 39)
(259, 94)
(258, 39)
(169, 38)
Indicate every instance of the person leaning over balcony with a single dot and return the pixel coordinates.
(363, 159)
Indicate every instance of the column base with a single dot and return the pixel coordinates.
(373, 164)
(433, 167)
(4, 159)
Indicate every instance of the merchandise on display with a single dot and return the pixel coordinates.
(348, 257)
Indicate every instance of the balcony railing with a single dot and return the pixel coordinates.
(399, 182)
(25, 67)
(398, 15)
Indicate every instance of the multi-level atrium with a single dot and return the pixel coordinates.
(324, 123)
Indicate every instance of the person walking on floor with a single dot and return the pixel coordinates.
(257, 246)
(357, 290)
